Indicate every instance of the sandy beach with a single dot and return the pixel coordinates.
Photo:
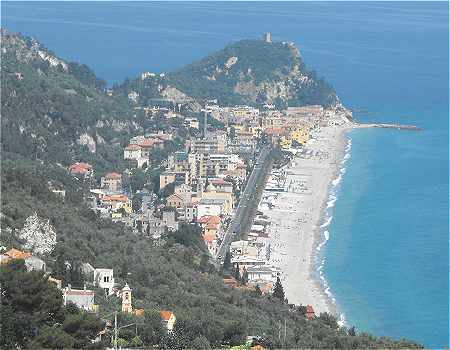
(297, 214)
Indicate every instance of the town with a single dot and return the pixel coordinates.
(215, 181)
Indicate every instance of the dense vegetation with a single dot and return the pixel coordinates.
(172, 274)
(263, 65)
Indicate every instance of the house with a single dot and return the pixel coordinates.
(169, 319)
(211, 207)
(136, 153)
(32, 263)
(116, 202)
(169, 219)
(189, 213)
(310, 312)
(83, 170)
(104, 278)
(175, 201)
(261, 273)
(112, 182)
(82, 298)
(165, 179)
(246, 261)
(222, 185)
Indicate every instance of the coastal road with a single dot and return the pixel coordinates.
(243, 209)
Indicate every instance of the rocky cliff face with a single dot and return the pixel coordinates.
(38, 236)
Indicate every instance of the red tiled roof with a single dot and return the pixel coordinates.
(113, 175)
(17, 254)
(209, 219)
(79, 292)
(80, 168)
(166, 315)
(115, 198)
(133, 148)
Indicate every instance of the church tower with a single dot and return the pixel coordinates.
(126, 299)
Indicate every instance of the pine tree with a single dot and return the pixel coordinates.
(236, 273)
(244, 278)
(227, 261)
(278, 291)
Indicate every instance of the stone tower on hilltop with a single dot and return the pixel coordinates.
(126, 299)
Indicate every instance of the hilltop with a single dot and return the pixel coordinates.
(252, 72)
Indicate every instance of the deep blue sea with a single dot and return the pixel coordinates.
(387, 257)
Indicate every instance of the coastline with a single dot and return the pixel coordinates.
(298, 238)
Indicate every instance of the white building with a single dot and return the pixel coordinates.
(104, 278)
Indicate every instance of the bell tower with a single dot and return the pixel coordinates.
(126, 299)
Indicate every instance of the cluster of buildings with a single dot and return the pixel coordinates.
(288, 128)
(84, 299)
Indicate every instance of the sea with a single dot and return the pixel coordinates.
(386, 259)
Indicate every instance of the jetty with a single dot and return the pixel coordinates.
(387, 126)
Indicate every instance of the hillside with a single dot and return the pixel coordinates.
(57, 111)
(250, 72)
(175, 275)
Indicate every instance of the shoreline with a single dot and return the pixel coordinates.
(320, 241)
(299, 236)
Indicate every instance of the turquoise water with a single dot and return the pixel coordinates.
(387, 257)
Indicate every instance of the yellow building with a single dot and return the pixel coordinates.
(301, 135)
(285, 142)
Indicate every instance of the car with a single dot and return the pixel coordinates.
(219, 257)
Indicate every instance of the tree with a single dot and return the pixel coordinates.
(136, 202)
(227, 261)
(53, 338)
(278, 291)
(235, 333)
(83, 327)
(244, 278)
(29, 303)
(153, 329)
(236, 274)
(201, 343)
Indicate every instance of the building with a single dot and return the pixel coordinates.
(82, 298)
(310, 314)
(112, 182)
(211, 207)
(175, 201)
(126, 299)
(212, 144)
(261, 273)
(104, 278)
(169, 219)
(32, 263)
(169, 319)
(165, 179)
(116, 202)
(267, 37)
(82, 170)
(212, 193)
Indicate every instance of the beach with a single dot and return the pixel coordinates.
(298, 216)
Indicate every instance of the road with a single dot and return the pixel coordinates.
(243, 209)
